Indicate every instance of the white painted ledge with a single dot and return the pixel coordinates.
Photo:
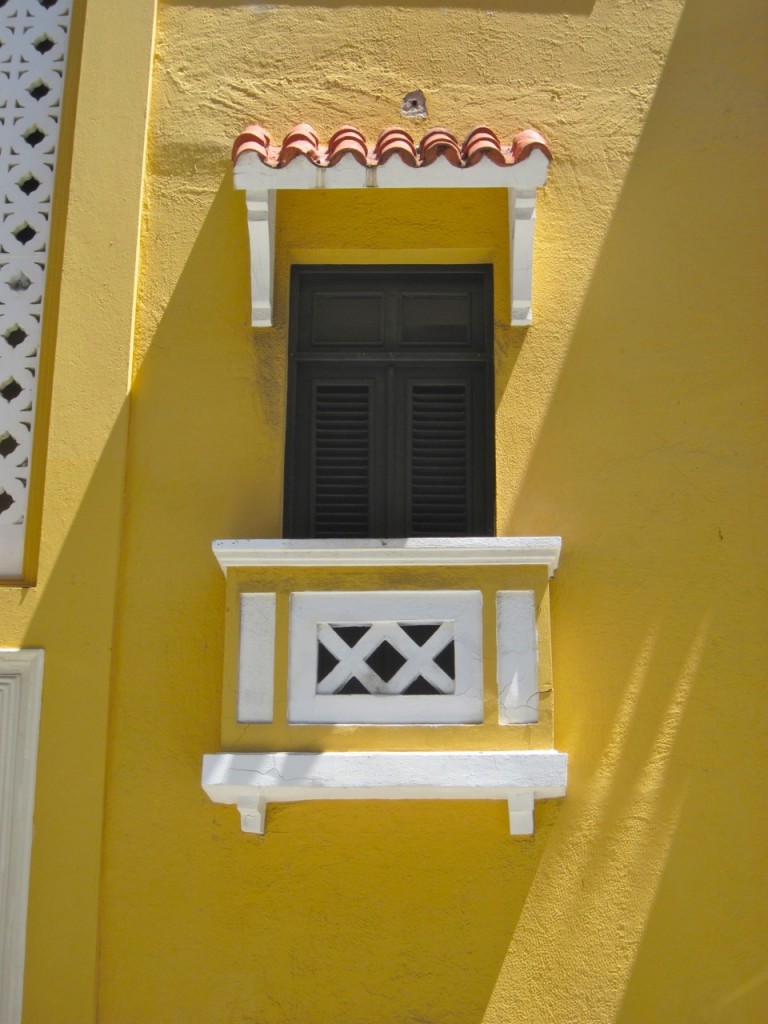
(410, 551)
(252, 175)
(252, 781)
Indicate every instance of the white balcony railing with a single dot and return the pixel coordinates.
(315, 659)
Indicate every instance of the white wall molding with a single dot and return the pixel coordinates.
(260, 182)
(252, 781)
(412, 551)
(21, 677)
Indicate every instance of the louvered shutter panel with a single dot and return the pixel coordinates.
(340, 460)
(440, 464)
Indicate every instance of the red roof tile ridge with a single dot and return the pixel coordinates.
(302, 140)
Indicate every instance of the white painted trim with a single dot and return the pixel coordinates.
(256, 670)
(252, 781)
(251, 175)
(459, 610)
(522, 221)
(12, 548)
(261, 233)
(520, 807)
(21, 679)
(517, 657)
(260, 182)
(412, 551)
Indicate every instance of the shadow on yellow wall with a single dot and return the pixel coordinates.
(649, 891)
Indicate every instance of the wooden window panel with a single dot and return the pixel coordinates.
(390, 425)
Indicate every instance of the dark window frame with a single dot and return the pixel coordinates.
(391, 358)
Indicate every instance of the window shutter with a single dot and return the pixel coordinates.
(340, 460)
(440, 459)
(390, 423)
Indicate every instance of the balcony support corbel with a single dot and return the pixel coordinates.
(261, 233)
(522, 221)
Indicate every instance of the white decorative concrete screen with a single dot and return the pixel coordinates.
(386, 657)
(33, 47)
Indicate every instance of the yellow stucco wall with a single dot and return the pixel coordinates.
(628, 421)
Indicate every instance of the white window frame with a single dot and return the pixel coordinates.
(21, 680)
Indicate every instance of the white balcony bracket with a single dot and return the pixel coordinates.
(521, 813)
(261, 233)
(522, 220)
(260, 182)
(253, 815)
(252, 781)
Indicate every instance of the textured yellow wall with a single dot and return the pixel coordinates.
(628, 421)
(86, 352)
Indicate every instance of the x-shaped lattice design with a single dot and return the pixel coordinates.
(352, 658)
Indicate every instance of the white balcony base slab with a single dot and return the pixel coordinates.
(254, 780)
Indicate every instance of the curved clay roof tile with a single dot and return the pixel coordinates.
(484, 130)
(347, 139)
(439, 142)
(253, 139)
(393, 141)
(300, 140)
(527, 140)
(482, 142)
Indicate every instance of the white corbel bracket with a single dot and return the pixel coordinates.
(261, 232)
(252, 781)
(260, 182)
(522, 220)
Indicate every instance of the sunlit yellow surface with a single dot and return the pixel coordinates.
(629, 421)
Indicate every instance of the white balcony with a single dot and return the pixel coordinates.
(437, 651)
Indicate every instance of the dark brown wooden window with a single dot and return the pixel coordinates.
(390, 402)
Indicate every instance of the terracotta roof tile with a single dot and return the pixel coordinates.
(347, 139)
(302, 140)
(439, 142)
(396, 141)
